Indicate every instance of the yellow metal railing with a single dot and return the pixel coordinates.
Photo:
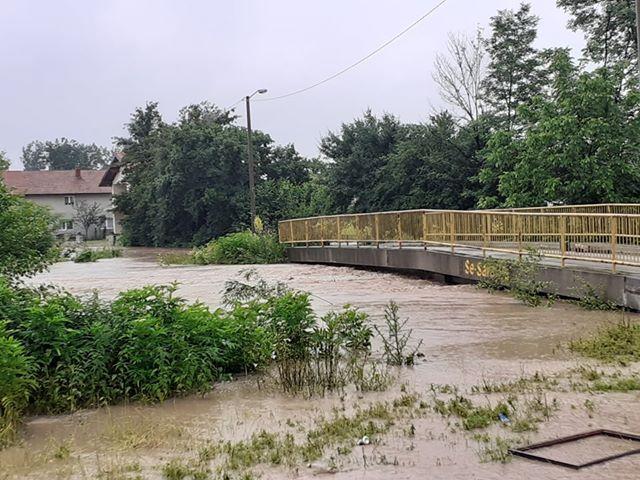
(612, 238)
(624, 208)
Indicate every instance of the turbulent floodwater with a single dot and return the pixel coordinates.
(468, 336)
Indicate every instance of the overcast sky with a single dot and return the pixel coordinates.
(77, 68)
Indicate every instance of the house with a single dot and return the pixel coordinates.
(62, 191)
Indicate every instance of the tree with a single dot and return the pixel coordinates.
(89, 215)
(64, 154)
(5, 163)
(26, 236)
(460, 74)
(357, 154)
(581, 144)
(512, 74)
(433, 166)
(188, 181)
(609, 27)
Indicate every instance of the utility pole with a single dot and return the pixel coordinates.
(252, 182)
(638, 33)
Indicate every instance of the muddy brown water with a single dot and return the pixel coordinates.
(468, 336)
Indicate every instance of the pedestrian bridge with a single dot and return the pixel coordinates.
(578, 244)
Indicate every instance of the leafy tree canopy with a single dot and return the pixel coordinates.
(609, 27)
(581, 144)
(64, 154)
(189, 180)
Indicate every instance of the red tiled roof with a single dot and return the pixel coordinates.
(54, 182)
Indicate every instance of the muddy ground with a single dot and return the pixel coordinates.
(470, 338)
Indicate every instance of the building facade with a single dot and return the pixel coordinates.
(63, 192)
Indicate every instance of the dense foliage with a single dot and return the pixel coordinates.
(26, 236)
(241, 248)
(59, 352)
(189, 180)
(64, 154)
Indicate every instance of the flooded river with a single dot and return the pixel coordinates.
(469, 336)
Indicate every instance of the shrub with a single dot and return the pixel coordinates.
(518, 276)
(240, 248)
(16, 383)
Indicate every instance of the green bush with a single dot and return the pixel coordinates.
(16, 383)
(240, 248)
(147, 344)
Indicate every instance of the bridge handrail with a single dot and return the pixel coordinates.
(598, 237)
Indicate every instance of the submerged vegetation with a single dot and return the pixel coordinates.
(619, 342)
(519, 277)
(59, 352)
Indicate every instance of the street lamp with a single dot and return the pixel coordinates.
(252, 186)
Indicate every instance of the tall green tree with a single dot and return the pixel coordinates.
(64, 154)
(188, 181)
(513, 70)
(357, 154)
(433, 166)
(581, 144)
(609, 27)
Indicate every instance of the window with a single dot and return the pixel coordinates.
(108, 223)
(67, 225)
(70, 200)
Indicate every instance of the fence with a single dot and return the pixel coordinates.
(612, 238)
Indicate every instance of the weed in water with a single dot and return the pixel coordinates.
(590, 298)
(520, 277)
(177, 469)
(612, 343)
(396, 338)
(496, 449)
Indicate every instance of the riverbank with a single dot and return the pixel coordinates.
(470, 338)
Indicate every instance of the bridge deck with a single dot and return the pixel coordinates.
(466, 264)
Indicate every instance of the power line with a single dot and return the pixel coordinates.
(228, 109)
(353, 65)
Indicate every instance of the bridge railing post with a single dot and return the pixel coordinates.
(339, 232)
(562, 227)
(306, 232)
(399, 230)
(614, 241)
(322, 232)
(452, 233)
(424, 229)
(377, 225)
(291, 233)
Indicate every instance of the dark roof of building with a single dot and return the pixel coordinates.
(114, 168)
(55, 182)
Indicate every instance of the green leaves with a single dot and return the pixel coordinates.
(241, 248)
(26, 238)
(581, 145)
